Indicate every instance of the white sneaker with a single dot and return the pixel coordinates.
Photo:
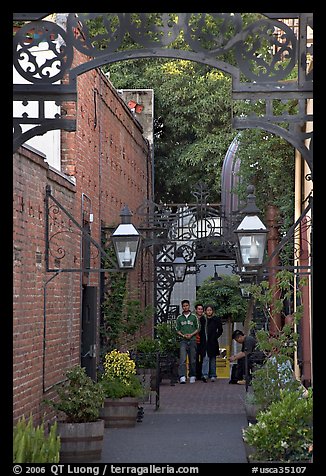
(192, 379)
(182, 379)
(213, 379)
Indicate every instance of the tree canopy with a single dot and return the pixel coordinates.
(192, 128)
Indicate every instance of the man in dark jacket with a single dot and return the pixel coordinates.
(248, 344)
(210, 330)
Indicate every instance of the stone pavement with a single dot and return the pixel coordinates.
(195, 423)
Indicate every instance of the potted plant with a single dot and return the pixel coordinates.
(122, 390)
(81, 430)
(169, 348)
(145, 354)
(283, 432)
(252, 407)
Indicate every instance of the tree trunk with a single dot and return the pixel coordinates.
(248, 319)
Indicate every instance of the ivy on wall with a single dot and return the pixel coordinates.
(122, 316)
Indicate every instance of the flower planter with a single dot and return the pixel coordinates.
(119, 412)
(81, 442)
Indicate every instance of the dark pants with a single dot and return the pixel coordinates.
(187, 347)
(238, 370)
(198, 363)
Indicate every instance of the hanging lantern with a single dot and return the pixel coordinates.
(251, 236)
(126, 240)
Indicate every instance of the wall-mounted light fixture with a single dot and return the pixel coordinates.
(126, 240)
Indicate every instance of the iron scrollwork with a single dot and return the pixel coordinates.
(209, 38)
(191, 231)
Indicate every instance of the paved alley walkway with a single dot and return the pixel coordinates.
(195, 423)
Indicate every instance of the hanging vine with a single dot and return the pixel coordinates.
(122, 316)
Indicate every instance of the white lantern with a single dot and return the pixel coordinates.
(126, 240)
(251, 237)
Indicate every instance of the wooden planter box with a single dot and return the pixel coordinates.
(81, 442)
(119, 412)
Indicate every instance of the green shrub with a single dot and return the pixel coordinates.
(168, 340)
(31, 445)
(274, 376)
(284, 431)
(80, 398)
(119, 379)
(146, 349)
(116, 388)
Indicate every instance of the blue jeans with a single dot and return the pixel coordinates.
(187, 347)
(208, 368)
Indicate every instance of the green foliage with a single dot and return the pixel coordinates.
(284, 432)
(168, 339)
(79, 398)
(276, 374)
(116, 388)
(119, 376)
(192, 122)
(272, 300)
(225, 296)
(272, 378)
(122, 315)
(146, 349)
(32, 445)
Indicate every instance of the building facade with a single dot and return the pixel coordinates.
(104, 165)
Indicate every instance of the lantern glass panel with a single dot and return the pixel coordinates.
(126, 250)
(252, 247)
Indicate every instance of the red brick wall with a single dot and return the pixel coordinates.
(58, 317)
(109, 160)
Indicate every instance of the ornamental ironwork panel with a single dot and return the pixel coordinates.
(192, 231)
(259, 56)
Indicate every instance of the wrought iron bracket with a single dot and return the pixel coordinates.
(209, 39)
(61, 228)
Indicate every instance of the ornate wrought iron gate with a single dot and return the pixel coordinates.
(191, 231)
(253, 77)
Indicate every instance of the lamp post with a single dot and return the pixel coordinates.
(216, 275)
(251, 237)
(245, 293)
(126, 240)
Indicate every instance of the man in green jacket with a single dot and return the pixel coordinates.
(187, 327)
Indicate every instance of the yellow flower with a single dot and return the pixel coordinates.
(119, 365)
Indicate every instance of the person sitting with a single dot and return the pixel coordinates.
(247, 349)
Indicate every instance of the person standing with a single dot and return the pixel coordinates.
(211, 329)
(199, 308)
(187, 326)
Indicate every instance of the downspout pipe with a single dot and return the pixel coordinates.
(44, 325)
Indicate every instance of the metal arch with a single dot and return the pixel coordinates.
(154, 33)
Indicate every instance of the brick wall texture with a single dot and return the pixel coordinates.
(110, 163)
